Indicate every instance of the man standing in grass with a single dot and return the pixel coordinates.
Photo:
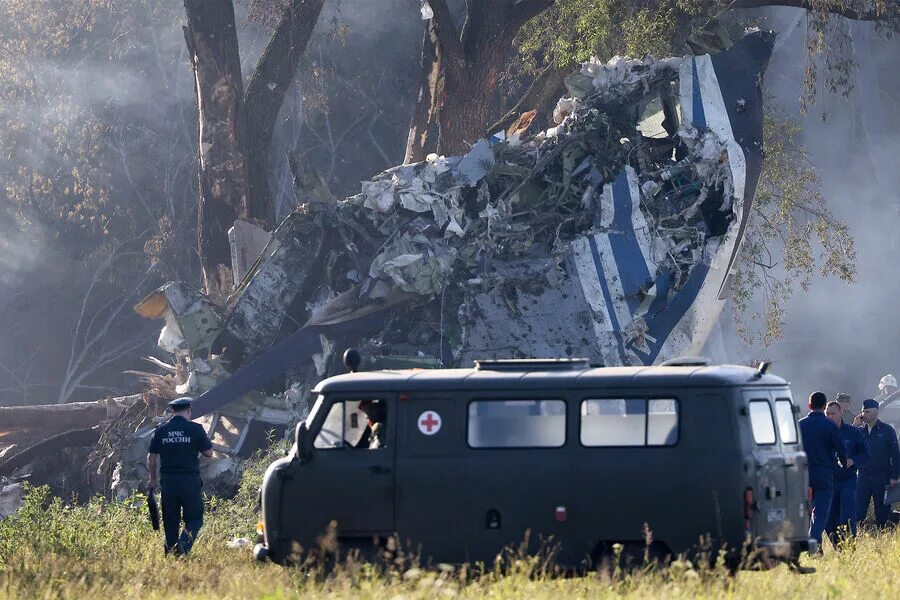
(821, 443)
(843, 501)
(176, 446)
(882, 470)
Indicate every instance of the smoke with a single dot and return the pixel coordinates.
(839, 337)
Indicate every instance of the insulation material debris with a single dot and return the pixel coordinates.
(589, 239)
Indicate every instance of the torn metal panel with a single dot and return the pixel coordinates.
(192, 320)
(247, 243)
(722, 93)
(258, 307)
(522, 315)
(296, 349)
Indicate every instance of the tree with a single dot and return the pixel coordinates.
(236, 127)
(96, 153)
(461, 67)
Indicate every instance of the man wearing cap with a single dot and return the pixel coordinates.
(175, 447)
(824, 449)
(844, 400)
(883, 468)
(843, 501)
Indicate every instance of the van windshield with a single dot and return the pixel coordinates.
(317, 405)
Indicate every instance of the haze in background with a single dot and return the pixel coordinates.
(839, 337)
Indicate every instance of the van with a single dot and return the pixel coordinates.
(462, 463)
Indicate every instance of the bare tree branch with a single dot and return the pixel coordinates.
(89, 353)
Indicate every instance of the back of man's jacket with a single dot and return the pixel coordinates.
(822, 444)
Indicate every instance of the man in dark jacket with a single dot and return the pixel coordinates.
(883, 468)
(846, 403)
(843, 501)
(175, 447)
(822, 443)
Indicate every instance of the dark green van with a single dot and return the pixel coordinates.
(464, 462)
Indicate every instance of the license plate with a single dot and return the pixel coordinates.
(775, 515)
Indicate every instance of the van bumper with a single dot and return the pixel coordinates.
(787, 549)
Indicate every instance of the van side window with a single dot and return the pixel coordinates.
(517, 423)
(354, 424)
(787, 425)
(761, 422)
(629, 422)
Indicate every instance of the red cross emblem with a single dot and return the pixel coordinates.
(429, 422)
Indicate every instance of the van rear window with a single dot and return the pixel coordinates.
(787, 424)
(517, 423)
(761, 422)
(629, 422)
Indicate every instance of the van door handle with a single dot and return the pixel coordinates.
(379, 470)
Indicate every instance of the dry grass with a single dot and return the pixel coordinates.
(108, 550)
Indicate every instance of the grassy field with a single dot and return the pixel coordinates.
(108, 550)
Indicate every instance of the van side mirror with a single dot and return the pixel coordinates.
(301, 438)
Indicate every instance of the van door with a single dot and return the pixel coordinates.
(349, 478)
(430, 475)
(796, 475)
(770, 488)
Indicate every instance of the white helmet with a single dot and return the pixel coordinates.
(887, 380)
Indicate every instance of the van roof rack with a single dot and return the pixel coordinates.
(687, 361)
(533, 364)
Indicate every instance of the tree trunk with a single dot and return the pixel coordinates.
(460, 73)
(211, 38)
(265, 95)
(423, 131)
(53, 416)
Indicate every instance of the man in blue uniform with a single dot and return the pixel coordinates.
(176, 445)
(843, 501)
(822, 443)
(883, 468)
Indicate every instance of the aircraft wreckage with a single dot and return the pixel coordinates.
(611, 236)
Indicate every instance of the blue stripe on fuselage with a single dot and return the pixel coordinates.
(662, 318)
(633, 271)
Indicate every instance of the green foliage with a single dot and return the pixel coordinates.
(574, 30)
(792, 237)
